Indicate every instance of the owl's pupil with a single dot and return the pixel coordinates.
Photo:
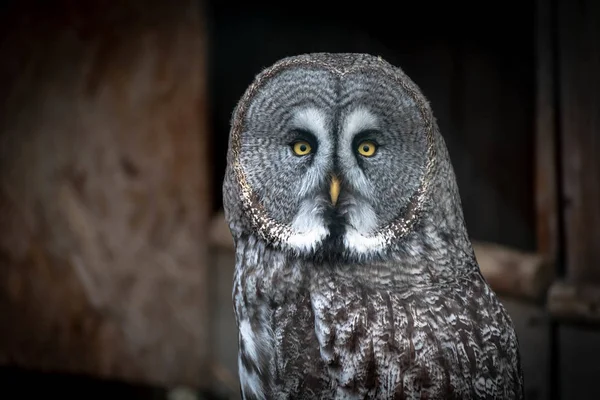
(302, 147)
(366, 149)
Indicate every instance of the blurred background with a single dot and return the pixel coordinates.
(115, 261)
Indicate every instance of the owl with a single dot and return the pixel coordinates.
(355, 277)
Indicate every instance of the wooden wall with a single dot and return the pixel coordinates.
(104, 189)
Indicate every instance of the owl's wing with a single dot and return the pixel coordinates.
(279, 355)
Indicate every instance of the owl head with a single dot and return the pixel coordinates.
(338, 155)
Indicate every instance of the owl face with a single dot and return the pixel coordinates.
(328, 160)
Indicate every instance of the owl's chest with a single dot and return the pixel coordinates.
(379, 330)
(379, 343)
(355, 339)
(342, 339)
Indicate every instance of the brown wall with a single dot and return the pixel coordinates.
(104, 189)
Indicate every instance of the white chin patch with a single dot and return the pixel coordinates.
(308, 227)
(357, 243)
(360, 238)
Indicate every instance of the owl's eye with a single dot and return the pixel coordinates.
(302, 148)
(367, 148)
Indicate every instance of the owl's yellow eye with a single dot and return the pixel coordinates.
(367, 148)
(302, 148)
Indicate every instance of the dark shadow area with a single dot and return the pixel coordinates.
(24, 384)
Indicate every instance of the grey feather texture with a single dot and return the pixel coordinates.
(377, 295)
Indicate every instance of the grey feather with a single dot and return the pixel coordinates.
(380, 295)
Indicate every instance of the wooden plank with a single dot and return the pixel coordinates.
(515, 273)
(104, 190)
(575, 303)
(546, 169)
(579, 32)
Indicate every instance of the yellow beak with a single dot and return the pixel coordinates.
(334, 190)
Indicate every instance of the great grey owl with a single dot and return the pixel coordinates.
(355, 277)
